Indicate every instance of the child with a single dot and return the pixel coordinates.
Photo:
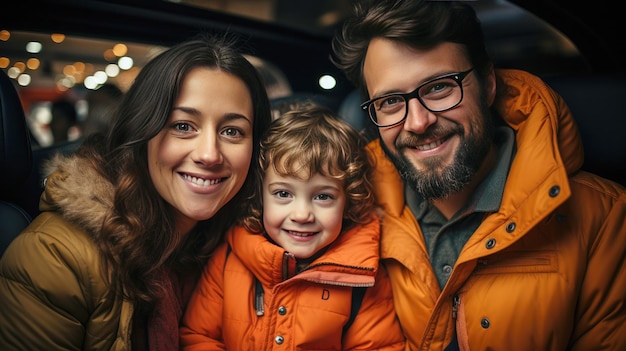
(288, 278)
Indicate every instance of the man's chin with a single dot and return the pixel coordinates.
(430, 179)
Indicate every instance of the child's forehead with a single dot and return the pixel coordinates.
(307, 168)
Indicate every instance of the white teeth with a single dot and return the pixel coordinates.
(200, 181)
(299, 233)
(432, 145)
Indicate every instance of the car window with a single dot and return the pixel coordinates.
(51, 69)
(289, 40)
(515, 37)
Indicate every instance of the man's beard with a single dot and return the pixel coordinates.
(437, 181)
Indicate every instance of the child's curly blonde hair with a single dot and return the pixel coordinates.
(308, 140)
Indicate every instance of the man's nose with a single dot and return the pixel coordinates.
(418, 118)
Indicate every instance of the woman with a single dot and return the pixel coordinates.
(128, 222)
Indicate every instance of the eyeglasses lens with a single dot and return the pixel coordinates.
(436, 96)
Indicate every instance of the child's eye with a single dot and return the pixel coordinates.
(282, 193)
(324, 197)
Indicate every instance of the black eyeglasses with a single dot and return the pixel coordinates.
(436, 95)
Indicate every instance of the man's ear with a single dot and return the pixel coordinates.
(490, 84)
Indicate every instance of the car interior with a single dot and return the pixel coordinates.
(570, 46)
(15, 162)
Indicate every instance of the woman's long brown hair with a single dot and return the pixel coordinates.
(138, 240)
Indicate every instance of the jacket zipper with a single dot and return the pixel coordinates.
(458, 314)
(456, 301)
(258, 298)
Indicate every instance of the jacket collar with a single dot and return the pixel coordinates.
(77, 190)
(351, 260)
(541, 120)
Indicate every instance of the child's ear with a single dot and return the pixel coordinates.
(379, 211)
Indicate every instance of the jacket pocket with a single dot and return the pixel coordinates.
(532, 261)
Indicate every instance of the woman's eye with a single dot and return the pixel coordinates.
(182, 127)
(233, 132)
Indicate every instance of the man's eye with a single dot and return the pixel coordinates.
(438, 87)
(390, 101)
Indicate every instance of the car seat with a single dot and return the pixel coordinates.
(15, 162)
(596, 104)
(351, 111)
(285, 103)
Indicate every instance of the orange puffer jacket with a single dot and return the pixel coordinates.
(304, 311)
(545, 272)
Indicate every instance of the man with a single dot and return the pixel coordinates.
(493, 237)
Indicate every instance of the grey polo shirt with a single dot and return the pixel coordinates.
(445, 238)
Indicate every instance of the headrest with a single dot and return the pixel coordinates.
(15, 149)
(596, 105)
(283, 104)
(350, 110)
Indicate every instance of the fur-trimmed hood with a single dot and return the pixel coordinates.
(75, 189)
